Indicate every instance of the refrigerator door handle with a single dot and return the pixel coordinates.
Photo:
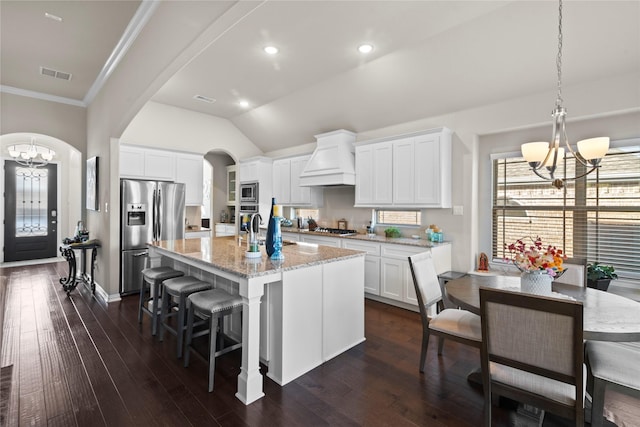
(159, 204)
(154, 210)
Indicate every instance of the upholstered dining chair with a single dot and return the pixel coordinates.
(575, 272)
(532, 352)
(457, 325)
(614, 382)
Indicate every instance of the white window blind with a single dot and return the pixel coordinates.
(596, 217)
(399, 217)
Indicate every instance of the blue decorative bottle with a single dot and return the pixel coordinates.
(270, 229)
(277, 254)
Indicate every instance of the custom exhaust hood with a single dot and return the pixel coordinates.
(332, 162)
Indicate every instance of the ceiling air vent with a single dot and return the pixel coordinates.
(55, 74)
(204, 99)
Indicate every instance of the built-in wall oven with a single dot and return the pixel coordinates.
(249, 193)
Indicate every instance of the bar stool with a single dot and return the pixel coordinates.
(154, 277)
(177, 288)
(213, 304)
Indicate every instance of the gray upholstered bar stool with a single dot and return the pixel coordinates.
(153, 277)
(213, 304)
(178, 288)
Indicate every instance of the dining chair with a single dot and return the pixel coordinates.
(457, 325)
(613, 382)
(575, 272)
(532, 352)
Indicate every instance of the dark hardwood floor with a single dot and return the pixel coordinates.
(75, 362)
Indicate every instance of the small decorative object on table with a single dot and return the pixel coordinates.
(538, 264)
(277, 254)
(599, 276)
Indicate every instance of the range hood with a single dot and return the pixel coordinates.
(333, 161)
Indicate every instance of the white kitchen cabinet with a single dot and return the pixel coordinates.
(395, 276)
(224, 229)
(231, 185)
(164, 165)
(194, 234)
(374, 174)
(286, 184)
(408, 171)
(131, 162)
(290, 236)
(404, 162)
(160, 165)
(189, 172)
(282, 181)
(320, 240)
(371, 263)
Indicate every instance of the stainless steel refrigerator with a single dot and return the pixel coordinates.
(150, 210)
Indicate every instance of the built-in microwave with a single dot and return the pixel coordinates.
(249, 193)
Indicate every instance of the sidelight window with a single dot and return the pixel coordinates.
(31, 202)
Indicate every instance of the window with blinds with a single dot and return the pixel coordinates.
(413, 217)
(596, 217)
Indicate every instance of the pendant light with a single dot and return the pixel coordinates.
(544, 157)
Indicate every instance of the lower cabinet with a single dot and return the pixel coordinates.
(321, 240)
(371, 263)
(197, 234)
(225, 229)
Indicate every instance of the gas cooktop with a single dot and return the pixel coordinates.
(338, 231)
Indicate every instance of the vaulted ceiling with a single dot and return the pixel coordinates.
(429, 58)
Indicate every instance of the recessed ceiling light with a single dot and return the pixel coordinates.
(271, 50)
(365, 48)
(204, 99)
(244, 104)
(52, 16)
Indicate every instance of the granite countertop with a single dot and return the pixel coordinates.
(226, 254)
(408, 241)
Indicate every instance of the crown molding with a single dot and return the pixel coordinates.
(137, 23)
(42, 96)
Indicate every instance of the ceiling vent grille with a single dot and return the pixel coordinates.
(204, 99)
(55, 74)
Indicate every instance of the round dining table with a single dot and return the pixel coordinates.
(606, 316)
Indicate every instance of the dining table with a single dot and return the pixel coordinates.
(606, 316)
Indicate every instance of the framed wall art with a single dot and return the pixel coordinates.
(92, 184)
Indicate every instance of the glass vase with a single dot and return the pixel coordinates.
(277, 254)
(536, 282)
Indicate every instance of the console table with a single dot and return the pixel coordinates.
(70, 282)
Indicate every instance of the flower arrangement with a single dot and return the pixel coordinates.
(535, 257)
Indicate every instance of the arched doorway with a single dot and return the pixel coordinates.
(68, 182)
(222, 201)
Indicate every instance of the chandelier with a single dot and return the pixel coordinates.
(31, 154)
(543, 156)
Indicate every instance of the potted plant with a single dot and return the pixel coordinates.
(392, 232)
(599, 276)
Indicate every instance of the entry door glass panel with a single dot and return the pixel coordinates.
(31, 202)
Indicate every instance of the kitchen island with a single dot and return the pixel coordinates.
(313, 302)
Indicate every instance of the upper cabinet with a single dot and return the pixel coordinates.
(164, 165)
(409, 171)
(374, 172)
(286, 183)
(189, 171)
(231, 185)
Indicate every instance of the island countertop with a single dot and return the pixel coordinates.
(226, 254)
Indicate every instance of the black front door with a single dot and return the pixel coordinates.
(31, 213)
